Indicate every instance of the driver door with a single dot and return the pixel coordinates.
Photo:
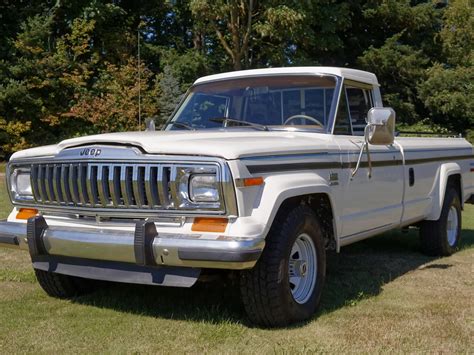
(371, 202)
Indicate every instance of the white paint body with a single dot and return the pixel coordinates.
(362, 206)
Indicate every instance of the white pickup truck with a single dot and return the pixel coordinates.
(257, 173)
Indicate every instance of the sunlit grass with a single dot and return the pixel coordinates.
(5, 205)
(382, 295)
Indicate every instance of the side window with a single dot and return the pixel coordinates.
(343, 123)
(359, 104)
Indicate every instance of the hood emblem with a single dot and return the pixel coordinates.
(90, 152)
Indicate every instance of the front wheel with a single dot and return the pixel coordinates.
(63, 286)
(441, 237)
(285, 285)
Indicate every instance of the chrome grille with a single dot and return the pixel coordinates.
(102, 185)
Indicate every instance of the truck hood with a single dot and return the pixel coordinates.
(227, 144)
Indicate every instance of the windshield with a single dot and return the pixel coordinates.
(257, 102)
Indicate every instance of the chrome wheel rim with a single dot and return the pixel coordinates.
(452, 226)
(302, 268)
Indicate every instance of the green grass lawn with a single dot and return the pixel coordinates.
(381, 295)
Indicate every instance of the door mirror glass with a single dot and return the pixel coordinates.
(380, 126)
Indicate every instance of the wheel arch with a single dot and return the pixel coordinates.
(449, 173)
(321, 202)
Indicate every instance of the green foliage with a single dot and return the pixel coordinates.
(457, 34)
(70, 68)
(112, 102)
(399, 67)
(169, 94)
(449, 95)
(448, 92)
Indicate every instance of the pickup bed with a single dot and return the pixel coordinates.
(257, 174)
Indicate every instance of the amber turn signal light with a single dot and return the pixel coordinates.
(26, 213)
(202, 224)
(254, 181)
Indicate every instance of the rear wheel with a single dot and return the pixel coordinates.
(63, 286)
(286, 283)
(441, 237)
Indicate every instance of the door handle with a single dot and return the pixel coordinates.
(411, 176)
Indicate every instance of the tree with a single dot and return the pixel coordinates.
(112, 103)
(401, 40)
(169, 94)
(244, 27)
(448, 92)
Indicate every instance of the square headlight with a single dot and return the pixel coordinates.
(20, 184)
(203, 188)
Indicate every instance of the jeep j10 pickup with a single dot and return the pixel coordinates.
(257, 173)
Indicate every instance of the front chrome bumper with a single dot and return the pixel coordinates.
(140, 247)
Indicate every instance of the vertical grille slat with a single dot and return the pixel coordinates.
(163, 186)
(91, 184)
(49, 183)
(34, 183)
(102, 185)
(41, 183)
(58, 196)
(114, 185)
(73, 184)
(151, 186)
(64, 183)
(173, 187)
(81, 183)
(126, 185)
(138, 178)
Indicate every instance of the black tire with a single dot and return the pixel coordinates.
(63, 286)
(434, 235)
(265, 289)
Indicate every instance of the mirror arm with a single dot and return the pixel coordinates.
(369, 160)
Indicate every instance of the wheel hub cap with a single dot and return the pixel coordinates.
(452, 226)
(302, 268)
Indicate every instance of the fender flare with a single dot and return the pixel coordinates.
(439, 189)
(303, 191)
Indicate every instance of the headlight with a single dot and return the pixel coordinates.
(20, 184)
(203, 188)
(196, 188)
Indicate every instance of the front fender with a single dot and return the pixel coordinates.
(263, 202)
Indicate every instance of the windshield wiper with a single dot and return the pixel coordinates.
(245, 123)
(181, 124)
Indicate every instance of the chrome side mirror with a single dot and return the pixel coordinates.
(380, 126)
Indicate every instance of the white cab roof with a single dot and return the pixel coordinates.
(352, 74)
